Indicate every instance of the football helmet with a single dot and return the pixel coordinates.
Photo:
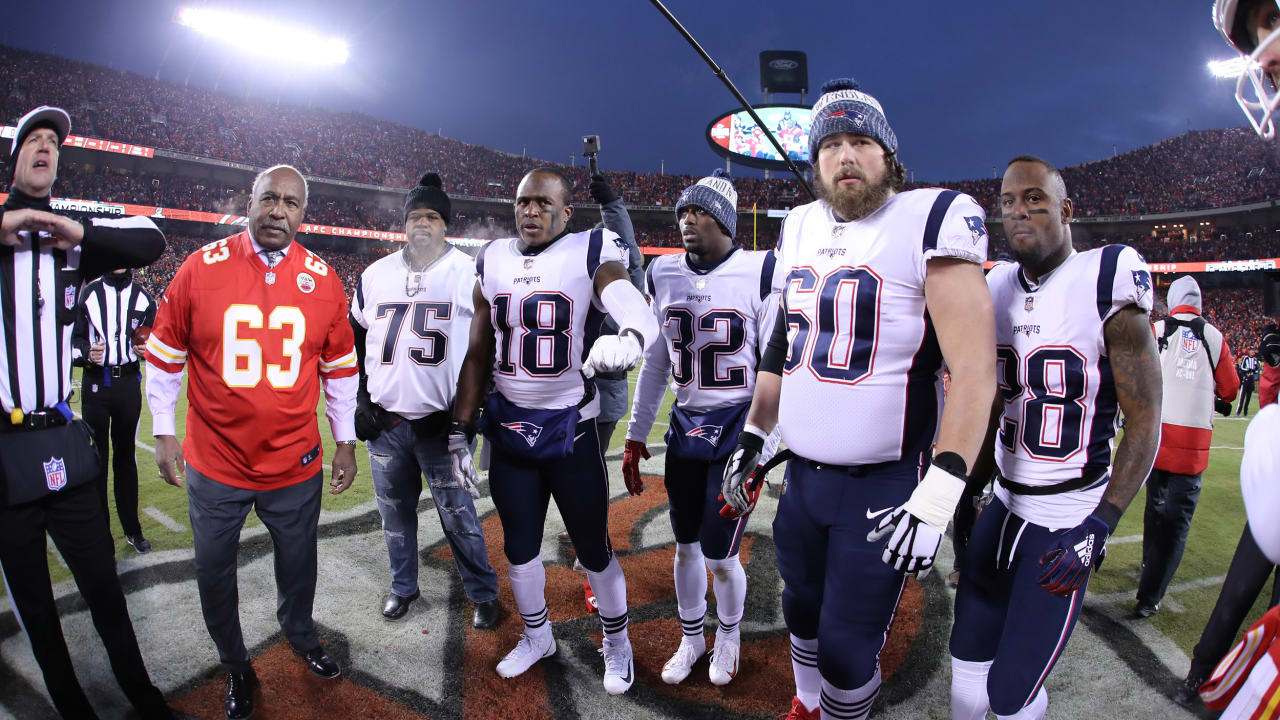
(1256, 92)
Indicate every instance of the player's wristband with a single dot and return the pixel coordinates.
(1109, 514)
(351, 443)
(467, 430)
(752, 438)
(935, 498)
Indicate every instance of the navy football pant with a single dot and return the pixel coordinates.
(1003, 614)
(693, 491)
(835, 586)
(522, 487)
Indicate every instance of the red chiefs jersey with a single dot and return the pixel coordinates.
(255, 342)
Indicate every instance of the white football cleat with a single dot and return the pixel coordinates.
(681, 664)
(619, 667)
(724, 661)
(526, 652)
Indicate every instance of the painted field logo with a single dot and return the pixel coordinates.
(526, 430)
(710, 433)
(55, 474)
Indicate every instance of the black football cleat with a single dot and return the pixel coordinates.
(139, 543)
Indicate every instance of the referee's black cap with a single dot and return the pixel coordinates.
(43, 116)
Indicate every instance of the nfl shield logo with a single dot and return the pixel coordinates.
(1189, 342)
(69, 297)
(55, 474)
(528, 263)
(1029, 304)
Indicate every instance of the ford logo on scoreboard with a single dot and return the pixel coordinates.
(735, 135)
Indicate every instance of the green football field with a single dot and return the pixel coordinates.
(1214, 532)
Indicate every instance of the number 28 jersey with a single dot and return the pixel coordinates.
(860, 382)
(1060, 406)
(255, 343)
(545, 315)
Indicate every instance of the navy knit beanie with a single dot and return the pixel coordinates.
(843, 108)
(716, 195)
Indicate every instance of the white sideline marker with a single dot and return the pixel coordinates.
(156, 514)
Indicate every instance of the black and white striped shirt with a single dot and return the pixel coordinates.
(109, 315)
(38, 291)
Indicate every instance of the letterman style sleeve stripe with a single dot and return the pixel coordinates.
(336, 367)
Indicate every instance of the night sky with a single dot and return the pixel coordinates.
(965, 85)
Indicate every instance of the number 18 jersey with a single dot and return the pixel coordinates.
(1054, 377)
(545, 315)
(860, 382)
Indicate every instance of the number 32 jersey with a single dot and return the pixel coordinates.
(860, 382)
(545, 315)
(255, 342)
(1060, 406)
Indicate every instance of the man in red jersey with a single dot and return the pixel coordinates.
(260, 321)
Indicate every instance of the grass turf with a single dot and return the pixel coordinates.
(1215, 530)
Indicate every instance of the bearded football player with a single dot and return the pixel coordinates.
(880, 287)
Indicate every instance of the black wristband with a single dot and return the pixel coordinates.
(633, 331)
(1109, 514)
(751, 441)
(952, 463)
(467, 430)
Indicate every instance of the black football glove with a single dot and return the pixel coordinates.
(600, 190)
(368, 416)
(738, 494)
(1223, 407)
(1269, 348)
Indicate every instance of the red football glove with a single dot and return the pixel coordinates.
(631, 454)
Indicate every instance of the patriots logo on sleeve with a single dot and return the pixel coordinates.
(976, 227)
(526, 430)
(710, 433)
(1142, 282)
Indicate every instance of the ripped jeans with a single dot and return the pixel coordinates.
(398, 461)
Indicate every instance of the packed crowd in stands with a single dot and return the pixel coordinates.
(1199, 169)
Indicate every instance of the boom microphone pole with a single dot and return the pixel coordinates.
(719, 72)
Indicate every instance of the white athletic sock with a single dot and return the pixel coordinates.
(804, 665)
(610, 588)
(528, 584)
(838, 704)
(730, 584)
(969, 689)
(1034, 710)
(691, 587)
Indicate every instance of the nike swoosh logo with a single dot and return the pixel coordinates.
(878, 513)
(579, 436)
(627, 679)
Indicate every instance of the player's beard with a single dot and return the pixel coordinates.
(858, 201)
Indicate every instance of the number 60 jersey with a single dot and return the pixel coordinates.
(1054, 377)
(255, 342)
(860, 382)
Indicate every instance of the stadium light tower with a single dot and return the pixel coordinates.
(265, 36)
(1228, 69)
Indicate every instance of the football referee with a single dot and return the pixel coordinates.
(47, 459)
(111, 310)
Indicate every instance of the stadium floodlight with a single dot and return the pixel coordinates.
(265, 36)
(1229, 69)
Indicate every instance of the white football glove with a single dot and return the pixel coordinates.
(918, 525)
(464, 470)
(613, 353)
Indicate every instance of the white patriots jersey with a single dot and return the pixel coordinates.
(545, 315)
(860, 383)
(418, 327)
(1060, 407)
(715, 325)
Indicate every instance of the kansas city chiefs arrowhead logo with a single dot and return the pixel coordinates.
(710, 433)
(526, 430)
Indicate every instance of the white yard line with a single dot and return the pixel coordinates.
(156, 514)
(1116, 598)
(1224, 447)
(1126, 540)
